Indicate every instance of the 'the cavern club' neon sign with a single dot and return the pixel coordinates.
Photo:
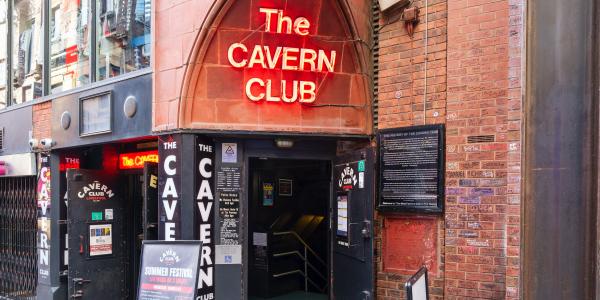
(283, 58)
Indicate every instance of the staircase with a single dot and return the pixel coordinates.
(294, 262)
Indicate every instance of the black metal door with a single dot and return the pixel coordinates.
(352, 226)
(96, 238)
(150, 201)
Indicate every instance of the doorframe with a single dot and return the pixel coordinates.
(330, 175)
(308, 149)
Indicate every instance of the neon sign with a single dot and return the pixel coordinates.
(283, 58)
(136, 160)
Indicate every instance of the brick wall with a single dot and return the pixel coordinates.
(404, 102)
(42, 126)
(479, 236)
(484, 98)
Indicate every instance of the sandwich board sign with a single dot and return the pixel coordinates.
(169, 270)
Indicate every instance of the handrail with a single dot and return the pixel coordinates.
(294, 234)
(322, 289)
(303, 259)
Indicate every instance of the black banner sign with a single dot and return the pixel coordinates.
(43, 219)
(204, 215)
(411, 169)
(169, 270)
(169, 187)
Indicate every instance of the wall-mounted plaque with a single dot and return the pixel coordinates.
(95, 115)
(411, 169)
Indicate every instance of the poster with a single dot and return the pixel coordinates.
(169, 270)
(100, 239)
(342, 220)
(285, 187)
(229, 213)
(267, 194)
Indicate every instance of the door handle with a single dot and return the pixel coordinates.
(81, 244)
(80, 281)
(366, 231)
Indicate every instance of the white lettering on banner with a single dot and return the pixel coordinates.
(169, 193)
(168, 160)
(170, 189)
(204, 202)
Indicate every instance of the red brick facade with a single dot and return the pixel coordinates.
(42, 125)
(197, 87)
(478, 46)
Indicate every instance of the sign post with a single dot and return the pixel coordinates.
(169, 270)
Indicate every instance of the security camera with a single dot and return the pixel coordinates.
(33, 144)
(46, 144)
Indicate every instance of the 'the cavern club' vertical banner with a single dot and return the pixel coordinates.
(43, 193)
(169, 187)
(204, 215)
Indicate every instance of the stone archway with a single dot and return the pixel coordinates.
(213, 91)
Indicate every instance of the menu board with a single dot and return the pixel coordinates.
(169, 270)
(411, 169)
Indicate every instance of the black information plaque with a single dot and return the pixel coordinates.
(411, 169)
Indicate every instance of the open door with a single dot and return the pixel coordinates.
(352, 226)
(96, 238)
(150, 201)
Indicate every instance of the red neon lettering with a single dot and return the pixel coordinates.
(283, 58)
(136, 160)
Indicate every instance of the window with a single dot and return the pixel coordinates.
(87, 41)
(27, 50)
(3, 54)
(69, 44)
(123, 37)
(95, 115)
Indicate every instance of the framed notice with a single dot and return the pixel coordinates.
(342, 235)
(411, 169)
(285, 187)
(169, 270)
(95, 114)
(100, 239)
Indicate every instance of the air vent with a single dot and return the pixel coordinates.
(1, 139)
(480, 139)
(375, 54)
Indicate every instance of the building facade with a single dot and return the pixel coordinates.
(323, 149)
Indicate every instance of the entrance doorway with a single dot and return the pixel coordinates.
(108, 217)
(288, 227)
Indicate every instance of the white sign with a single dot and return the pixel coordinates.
(108, 213)
(228, 254)
(229, 152)
(100, 239)
(361, 180)
(259, 238)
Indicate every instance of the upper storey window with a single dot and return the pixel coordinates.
(87, 41)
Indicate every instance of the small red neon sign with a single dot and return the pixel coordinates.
(136, 160)
(69, 163)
